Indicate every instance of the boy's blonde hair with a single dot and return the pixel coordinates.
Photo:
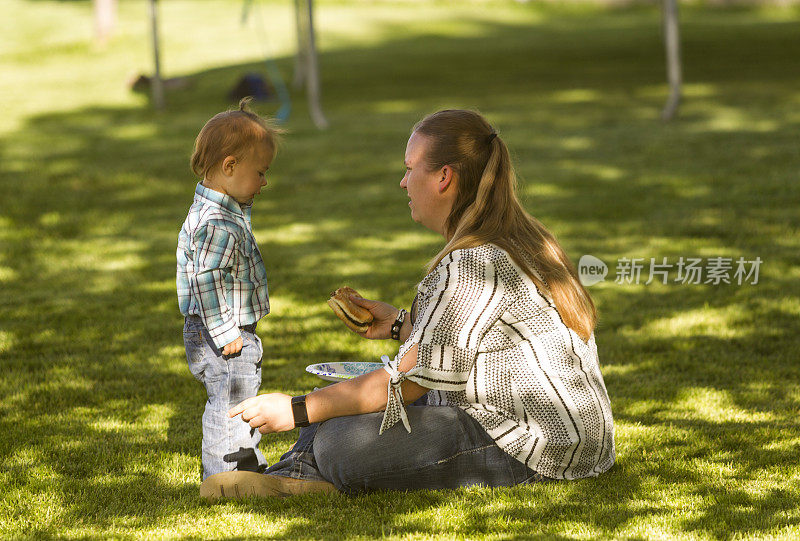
(231, 133)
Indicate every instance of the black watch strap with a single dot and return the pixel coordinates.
(397, 325)
(299, 411)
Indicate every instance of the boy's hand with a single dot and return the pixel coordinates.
(234, 347)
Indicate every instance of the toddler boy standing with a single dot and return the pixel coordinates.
(222, 283)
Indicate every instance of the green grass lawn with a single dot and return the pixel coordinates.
(99, 417)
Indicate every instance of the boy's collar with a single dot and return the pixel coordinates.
(224, 201)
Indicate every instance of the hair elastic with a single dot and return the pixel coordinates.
(491, 137)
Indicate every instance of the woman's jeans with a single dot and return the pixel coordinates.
(445, 449)
(228, 444)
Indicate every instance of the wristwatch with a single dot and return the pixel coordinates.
(398, 324)
(299, 411)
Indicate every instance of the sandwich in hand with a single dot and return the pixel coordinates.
(355, 317)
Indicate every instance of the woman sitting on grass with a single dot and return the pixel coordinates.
(499, 341)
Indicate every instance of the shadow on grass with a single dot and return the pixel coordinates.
(95, 393)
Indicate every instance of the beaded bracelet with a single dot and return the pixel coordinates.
(398, 324)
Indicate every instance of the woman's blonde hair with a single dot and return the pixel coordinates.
(232, 133)
(487, 209)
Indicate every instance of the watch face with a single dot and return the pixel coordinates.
(299, 411)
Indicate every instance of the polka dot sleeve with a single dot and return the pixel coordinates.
(457, 303)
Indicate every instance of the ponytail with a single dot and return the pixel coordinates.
(487, 210)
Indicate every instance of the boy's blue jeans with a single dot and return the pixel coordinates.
(228, 444)
(445, 449)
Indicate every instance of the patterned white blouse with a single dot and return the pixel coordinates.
(494, 345)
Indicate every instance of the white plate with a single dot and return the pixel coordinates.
(342, 371)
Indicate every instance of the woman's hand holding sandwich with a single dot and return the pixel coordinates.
(371, 319)
(383, 315)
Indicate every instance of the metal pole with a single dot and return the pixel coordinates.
(312, 80)
(156, 83)
(672, 45)
(105, 18)
(301, 58)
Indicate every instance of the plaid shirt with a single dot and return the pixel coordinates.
(221, 275)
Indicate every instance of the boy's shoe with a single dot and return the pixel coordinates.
(241, 484)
